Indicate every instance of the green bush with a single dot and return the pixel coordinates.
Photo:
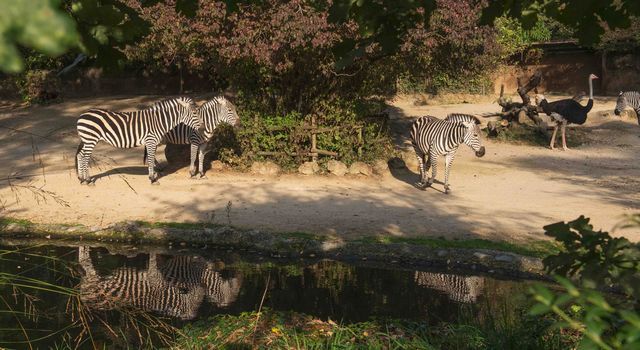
(595, 261)
(40, 86)
(351, 131)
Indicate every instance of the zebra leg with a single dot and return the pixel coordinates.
(433, 157)
(151, 159)
(83, 157)
(447, 167)
(420, 155)
(201, 153)
(156, 164)
(192, 164)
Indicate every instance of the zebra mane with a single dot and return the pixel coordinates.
(463, 117)
(214, 101)
(629, 93)
(184, 101)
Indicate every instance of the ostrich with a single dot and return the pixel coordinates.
(564, 112)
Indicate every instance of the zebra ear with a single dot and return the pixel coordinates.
(620, 94)
(469, 125)
(476, 120)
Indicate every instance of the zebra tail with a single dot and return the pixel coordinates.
(78, 152)
(144, 157)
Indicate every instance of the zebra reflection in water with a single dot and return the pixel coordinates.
(461, 289)
(175, 287)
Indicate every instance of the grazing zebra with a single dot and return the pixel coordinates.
(130, 129)
(212, 113)
(174, 286)
(432, 137)
(461, 289)
(628, 99)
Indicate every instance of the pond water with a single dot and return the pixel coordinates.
(69, 291)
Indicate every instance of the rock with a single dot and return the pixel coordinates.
(504, 258)
(396, 163)
(442, 253)
(361, 168)
(309, 168)
(481, 256)
(381, 167)
(265, 168)
(336, 168)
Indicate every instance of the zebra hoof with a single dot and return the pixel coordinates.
(91, 181)
(203, 177)
(447, 190)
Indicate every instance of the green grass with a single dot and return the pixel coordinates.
(6, 221)
(534, 248)
(290, 330)
(177, 225)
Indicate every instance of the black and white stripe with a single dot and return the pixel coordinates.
(461, 289)
(432, 137)
(130, 129)
(628, 99)
(211, 114)
(172, 286)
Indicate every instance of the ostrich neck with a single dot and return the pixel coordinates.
(590, 88)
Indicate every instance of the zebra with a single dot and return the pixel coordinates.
(212, 113)
(461, 289)
(174, 287)
(130, 129)
(628, 99)
(432, 137)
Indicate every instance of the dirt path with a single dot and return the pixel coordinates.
(509, 194)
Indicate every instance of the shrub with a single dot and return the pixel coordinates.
(595, 260)
(349, 133)
(40, 86)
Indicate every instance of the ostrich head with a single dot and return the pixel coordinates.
(539, 98)
(593, 76)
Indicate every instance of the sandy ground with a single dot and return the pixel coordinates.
(508, 195)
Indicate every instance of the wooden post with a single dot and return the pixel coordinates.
(359, 143)
(314, 154)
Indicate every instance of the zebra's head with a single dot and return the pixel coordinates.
(188, 111)
(472, 138)
(621, 103)
(216, 111)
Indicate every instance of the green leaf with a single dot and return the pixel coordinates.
(539, 309)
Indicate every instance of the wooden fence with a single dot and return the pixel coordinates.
(312, 132)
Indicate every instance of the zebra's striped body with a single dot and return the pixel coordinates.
(628, 99)
(461, 289)
(432, 137)
(130, 129)
(211, 114)
(174, 286)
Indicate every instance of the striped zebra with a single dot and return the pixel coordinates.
(628, 99)
(212, 113)
(130, 129)
(432, 137)
(461, 289)
(174, 286)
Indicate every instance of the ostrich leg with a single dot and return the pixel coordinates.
(553, 137)
(564, 135)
